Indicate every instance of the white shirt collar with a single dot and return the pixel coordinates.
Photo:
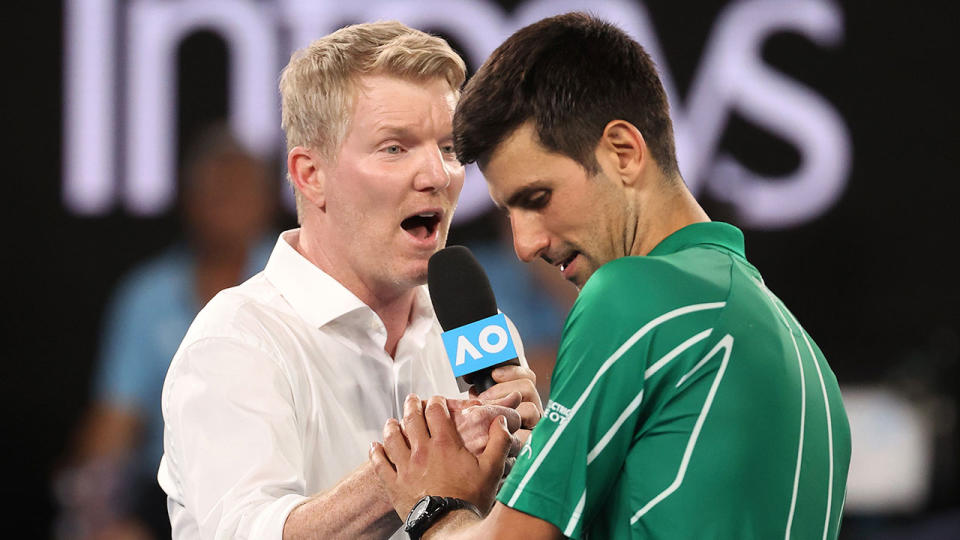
(320, 299)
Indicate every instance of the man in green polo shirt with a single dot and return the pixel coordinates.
(687, 401)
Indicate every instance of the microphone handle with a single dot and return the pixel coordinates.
(481, 380)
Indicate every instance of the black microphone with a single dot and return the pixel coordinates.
(476, 337)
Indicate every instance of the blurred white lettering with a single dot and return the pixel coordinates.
(259, 36)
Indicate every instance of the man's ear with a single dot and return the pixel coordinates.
(307, 173)
(625, 150)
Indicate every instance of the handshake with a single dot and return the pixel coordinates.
(457, 448)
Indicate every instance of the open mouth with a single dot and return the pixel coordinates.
(566, 262)
(422, 226)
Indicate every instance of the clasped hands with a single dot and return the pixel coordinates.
(457, 448)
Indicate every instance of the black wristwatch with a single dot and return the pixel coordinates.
(431, 508)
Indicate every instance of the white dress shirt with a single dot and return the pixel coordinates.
(276, 392)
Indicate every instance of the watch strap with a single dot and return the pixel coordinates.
(437, 508)
(457, 504)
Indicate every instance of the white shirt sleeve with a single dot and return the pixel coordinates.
(232, 444)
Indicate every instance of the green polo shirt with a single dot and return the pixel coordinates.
(686, 402)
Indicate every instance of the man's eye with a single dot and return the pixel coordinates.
(393, 149)
(538, 200)
(448, 149)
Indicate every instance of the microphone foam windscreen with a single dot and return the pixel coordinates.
(459, 288)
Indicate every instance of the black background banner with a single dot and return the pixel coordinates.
(873, 278)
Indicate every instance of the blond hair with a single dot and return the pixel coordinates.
(318, 86)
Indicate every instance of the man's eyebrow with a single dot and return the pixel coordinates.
(403, 132)
(392, 130)
(517, 197)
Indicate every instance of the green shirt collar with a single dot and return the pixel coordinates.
(716, 233)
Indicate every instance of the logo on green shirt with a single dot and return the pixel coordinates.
(556, 413)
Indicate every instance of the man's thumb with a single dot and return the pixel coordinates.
(498, 445)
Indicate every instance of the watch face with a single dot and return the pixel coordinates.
(418, 510)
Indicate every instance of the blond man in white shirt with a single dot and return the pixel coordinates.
(282, 383)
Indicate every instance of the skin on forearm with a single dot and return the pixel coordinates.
(458, 524)
(357, 507)
(502, 523)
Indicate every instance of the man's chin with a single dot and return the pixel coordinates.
(580, 279)
(409, 271)
(419, 279)
(412, 276)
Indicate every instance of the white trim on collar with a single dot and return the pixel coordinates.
(311, 292)
(319, 299)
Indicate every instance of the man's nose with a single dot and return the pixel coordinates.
(433, 174)
(529, 239)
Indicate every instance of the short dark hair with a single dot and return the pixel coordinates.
(571, 75)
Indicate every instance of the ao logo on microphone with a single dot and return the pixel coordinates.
(480, 344)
